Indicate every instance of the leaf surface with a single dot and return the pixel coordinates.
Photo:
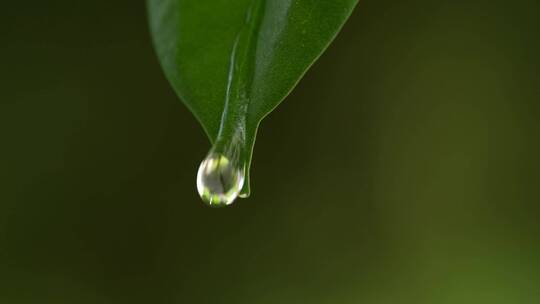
(233, 61)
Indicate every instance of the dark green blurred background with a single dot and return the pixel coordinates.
(403, 169)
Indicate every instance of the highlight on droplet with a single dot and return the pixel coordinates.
(219, 180)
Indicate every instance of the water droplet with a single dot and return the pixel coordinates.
(219, 180)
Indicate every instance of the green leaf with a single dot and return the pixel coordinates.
(233, 61)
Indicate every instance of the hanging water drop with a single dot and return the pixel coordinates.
(221, 176)
(219, 180)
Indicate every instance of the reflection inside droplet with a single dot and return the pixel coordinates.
(219, 180)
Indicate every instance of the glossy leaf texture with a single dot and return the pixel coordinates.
(233, 61)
